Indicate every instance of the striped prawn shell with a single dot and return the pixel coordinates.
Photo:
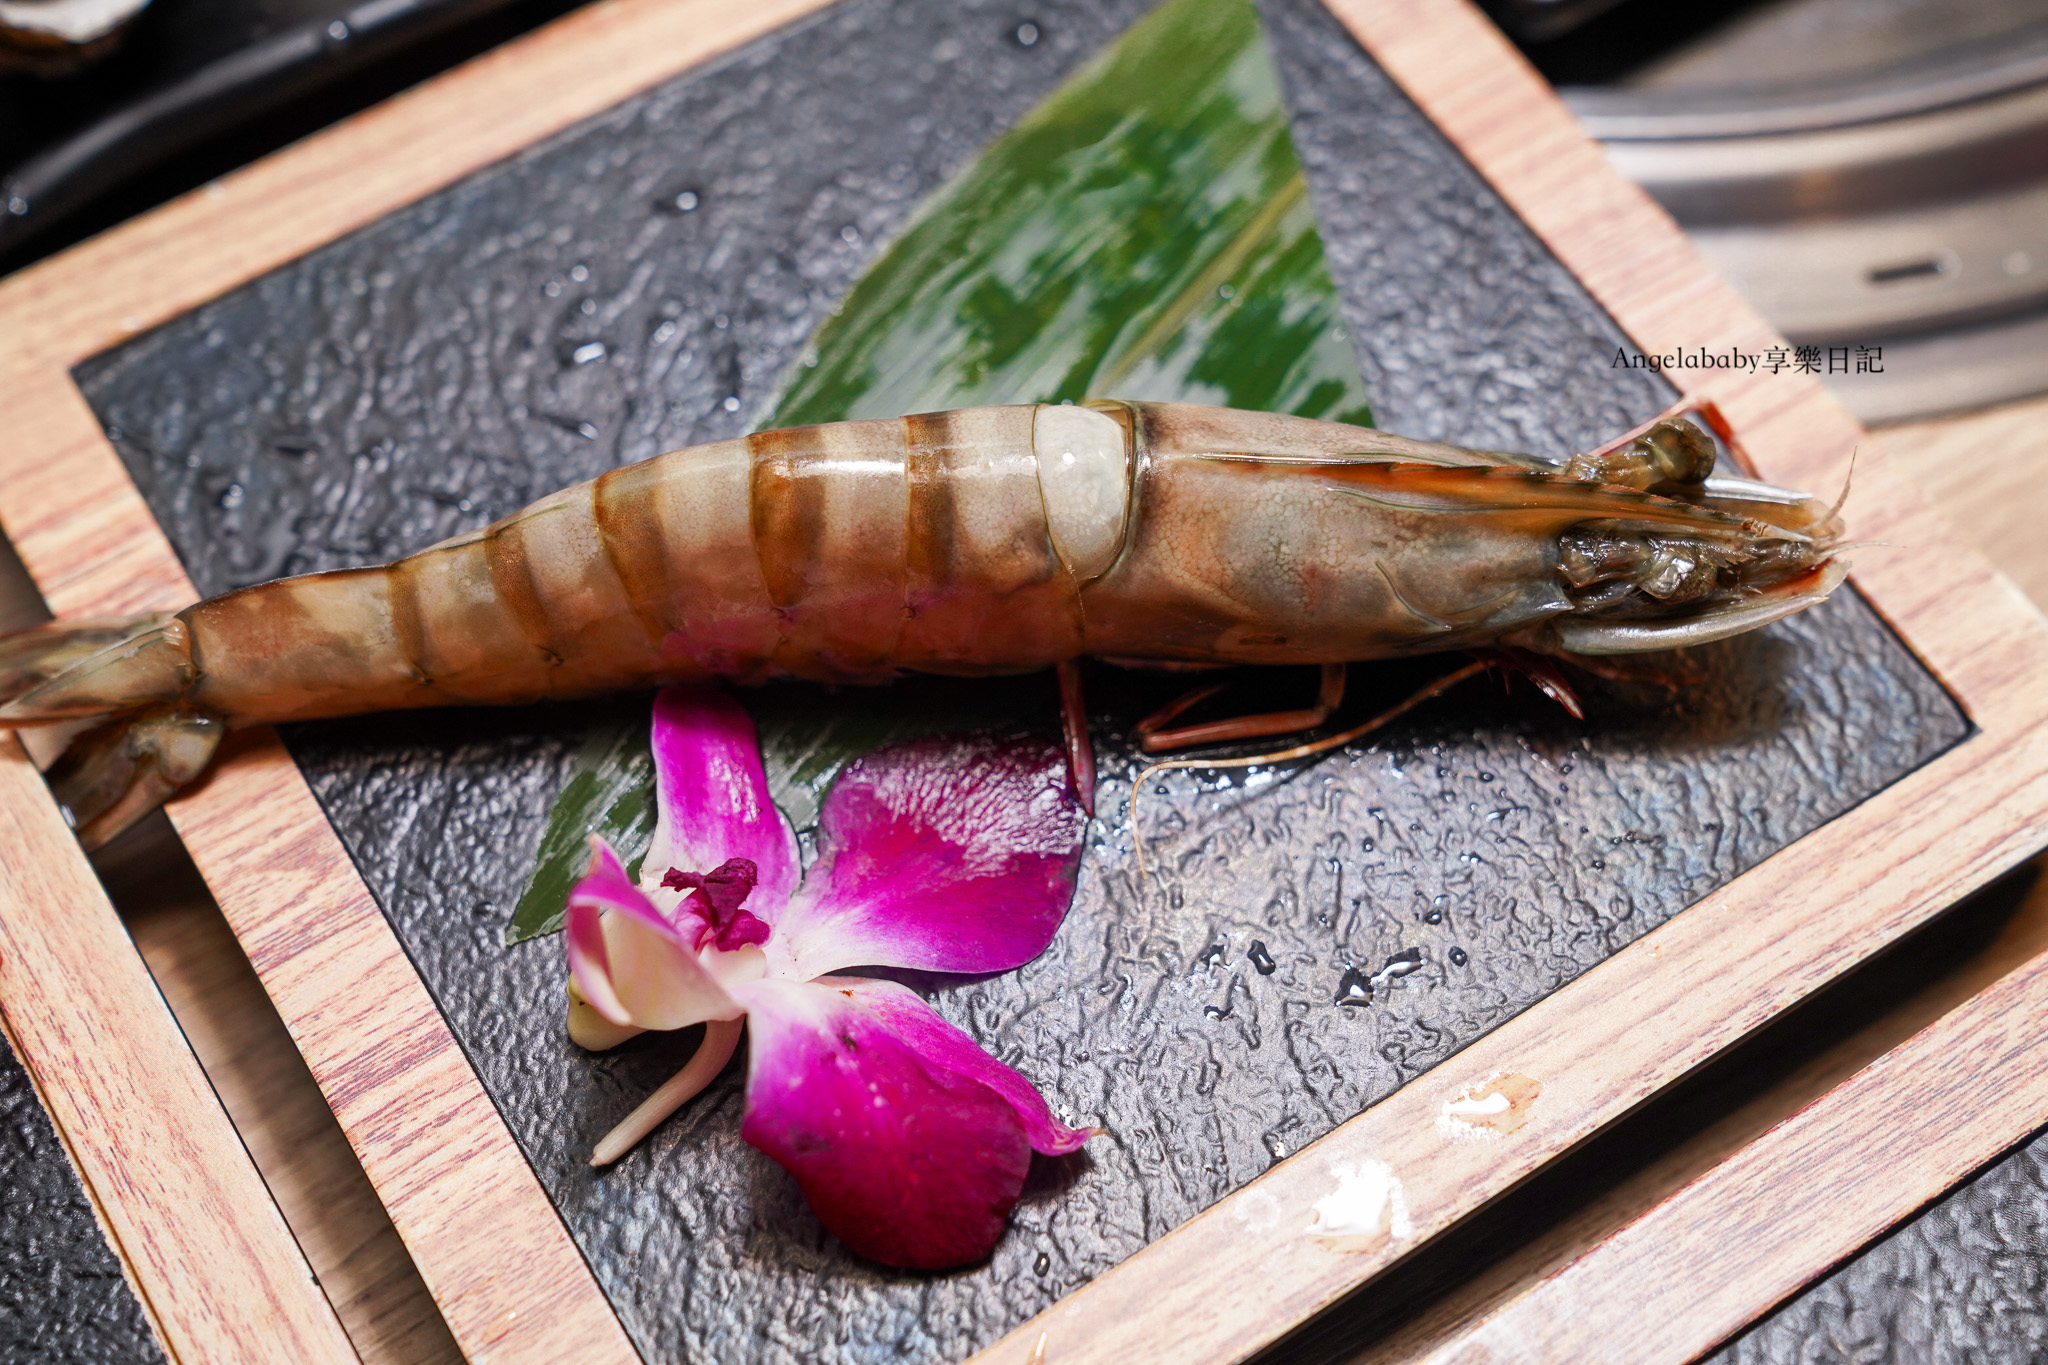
(844, 552)
(954, 543)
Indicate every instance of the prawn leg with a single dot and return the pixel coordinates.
(1074, 727)
(117, 772)
(1154, 739)
(1310, 749)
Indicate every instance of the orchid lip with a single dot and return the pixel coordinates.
(715, 899)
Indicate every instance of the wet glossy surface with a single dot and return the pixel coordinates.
(601, 298)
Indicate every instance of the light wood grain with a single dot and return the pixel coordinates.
(470, 1211)
(248, 1057)
(273, 1100)
(1986, 472)
(211, 1259)
(1706, 1215)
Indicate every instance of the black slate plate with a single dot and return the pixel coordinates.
(417, 378)
(63, 1298)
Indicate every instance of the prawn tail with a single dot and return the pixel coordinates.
(122, 688)
(30, 658)
(68, 671)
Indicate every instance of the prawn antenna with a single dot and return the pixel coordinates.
(1842, 498)
(1308, 750)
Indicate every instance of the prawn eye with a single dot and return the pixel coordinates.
(1677, 452)
(1673, 457)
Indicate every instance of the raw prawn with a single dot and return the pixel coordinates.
(975, 542)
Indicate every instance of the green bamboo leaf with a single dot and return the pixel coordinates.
(610, 792)
(1146, 233)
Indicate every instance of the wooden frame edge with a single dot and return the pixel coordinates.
(88, 540)
(217, 1271)
(504, 1272)
(1966, 1078)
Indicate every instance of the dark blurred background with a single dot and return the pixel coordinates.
(1872, 173)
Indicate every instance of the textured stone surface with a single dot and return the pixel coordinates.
(420, 377)
(63, 1298)
(1965, 1282)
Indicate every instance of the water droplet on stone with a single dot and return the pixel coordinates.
(1042, 1265)
(1458, 958)
(587, 352)
(1212, 955)
(231, 496)
(1262, 961)
(1399, 965)
(1026, 34)
(1354, 988)
(1434, 917)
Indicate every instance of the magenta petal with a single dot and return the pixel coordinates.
(904, 1013)
(713, 796)
(629, 961)
(910, 1142)
(950, 855)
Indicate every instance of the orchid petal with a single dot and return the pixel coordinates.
(950, 855)
(911, 1143)
(629, 961)
(712, 794)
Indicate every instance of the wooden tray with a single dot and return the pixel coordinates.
(478, 1222)
(214, 1272)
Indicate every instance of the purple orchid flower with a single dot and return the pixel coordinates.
(910, 1142)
